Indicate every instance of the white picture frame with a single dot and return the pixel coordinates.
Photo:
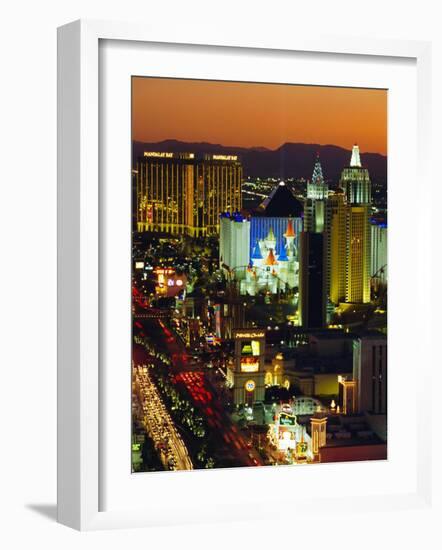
(79, 270)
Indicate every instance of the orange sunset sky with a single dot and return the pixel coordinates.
(268, 115)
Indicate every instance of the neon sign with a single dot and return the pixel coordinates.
(250, 335)
(158, 154)
(224, 157)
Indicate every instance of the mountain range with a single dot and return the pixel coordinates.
(294, 160)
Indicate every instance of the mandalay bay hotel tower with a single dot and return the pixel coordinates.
(184, 193)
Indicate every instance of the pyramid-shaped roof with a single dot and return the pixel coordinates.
(281, 203)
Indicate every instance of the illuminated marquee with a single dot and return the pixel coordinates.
(257, 334)
(251, 348)
(249, 367)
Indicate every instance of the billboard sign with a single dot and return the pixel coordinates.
(287, 419)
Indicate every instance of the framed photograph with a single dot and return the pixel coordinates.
(226, 292)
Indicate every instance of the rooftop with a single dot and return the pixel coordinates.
(281, 203)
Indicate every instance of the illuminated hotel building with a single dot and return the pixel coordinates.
(358, 261)
(315, 212)
(234, 242)
(355, 181)
(337, 207)
(273, 266)
(275, 227)
(184, 193)
(274, 213)
(262, 251)
(317, 220)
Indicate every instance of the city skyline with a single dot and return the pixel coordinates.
(251, 115)
(259, 281)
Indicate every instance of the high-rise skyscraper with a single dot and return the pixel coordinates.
(184, 193)
(358, 258)
(315, 211)
(355, 181)
(312, 303)
(337, 207)
(317, 220)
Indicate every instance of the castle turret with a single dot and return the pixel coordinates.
(271, 260)
(256, 255)
(283, 255)
(270, 240)
(290, 237)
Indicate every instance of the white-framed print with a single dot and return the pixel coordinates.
(97, 488)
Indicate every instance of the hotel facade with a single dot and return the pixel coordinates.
(343, 217)
(356, 184)
(184, 193)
